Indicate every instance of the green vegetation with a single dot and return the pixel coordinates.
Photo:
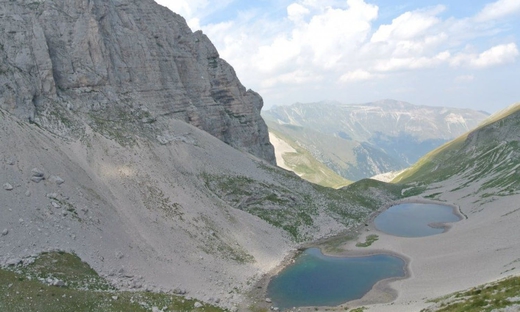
(277, 205)
(429, 168)
(488, 154)
(155, 199)
(254, 308)
(60, 115)
(66, 267)
(433, 196)
(413, 190)
(221, 247)
(68, 207)
(115, 129)
(370, 239)
(335, 244)
(366, 195)
(292, 206)
(24, 288)
(501, 115)
(307, 167)
(122, 125)
(213, 62)
(498, 295)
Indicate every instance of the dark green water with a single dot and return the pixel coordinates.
(412, 220)
(318, 280)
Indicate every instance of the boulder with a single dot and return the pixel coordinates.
(35, 172)
(57, 180)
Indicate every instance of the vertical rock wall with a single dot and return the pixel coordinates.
(126, 62)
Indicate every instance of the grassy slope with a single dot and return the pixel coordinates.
(23, 288)
(294, 206)
(489, 154)
(307, 167)
(486, 152)
(336, 153)
(497, 295)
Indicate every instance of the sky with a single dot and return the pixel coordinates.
(456, 53)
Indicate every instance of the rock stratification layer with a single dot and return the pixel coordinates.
(121, 65)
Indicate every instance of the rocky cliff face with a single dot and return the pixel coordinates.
(123, 67)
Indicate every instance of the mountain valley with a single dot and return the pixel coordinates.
(137, 174)
(363, 140)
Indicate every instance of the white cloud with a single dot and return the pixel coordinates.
(296, 12)
(419, 46)
(497, 55)
(498, 9)
(331, 33)
(273, 57)
(194, 23)
(356, 75)
(313, 37)
(295, 77)
(395, 64)
(407, 26)
(184, 7)
(318, 43)
(502, 54)
(194, 10)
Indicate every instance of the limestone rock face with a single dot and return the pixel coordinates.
(121, 65)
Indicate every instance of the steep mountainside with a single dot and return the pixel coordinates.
(291, 156)
(194, 214)
(110, 118)
(359, 141)
(125, 68)
(488, 156)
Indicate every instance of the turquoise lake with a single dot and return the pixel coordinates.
(318, 280)
(414, 220)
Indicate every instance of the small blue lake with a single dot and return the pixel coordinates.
(318, 280)
(415, 220)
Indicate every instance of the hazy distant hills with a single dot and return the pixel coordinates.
(128, 144)
(362, 140)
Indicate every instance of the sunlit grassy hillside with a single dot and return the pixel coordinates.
(307, 167)
(490, 154)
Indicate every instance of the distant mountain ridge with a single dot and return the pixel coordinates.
(126, 141)
(362, 140)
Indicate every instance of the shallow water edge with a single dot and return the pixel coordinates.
(381, 292)
(414, 220)
(316, 279)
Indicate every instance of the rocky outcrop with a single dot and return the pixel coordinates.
(124, 67)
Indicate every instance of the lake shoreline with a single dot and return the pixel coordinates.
(382, 292)
(425, 224)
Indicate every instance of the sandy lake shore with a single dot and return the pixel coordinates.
(480, 248)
